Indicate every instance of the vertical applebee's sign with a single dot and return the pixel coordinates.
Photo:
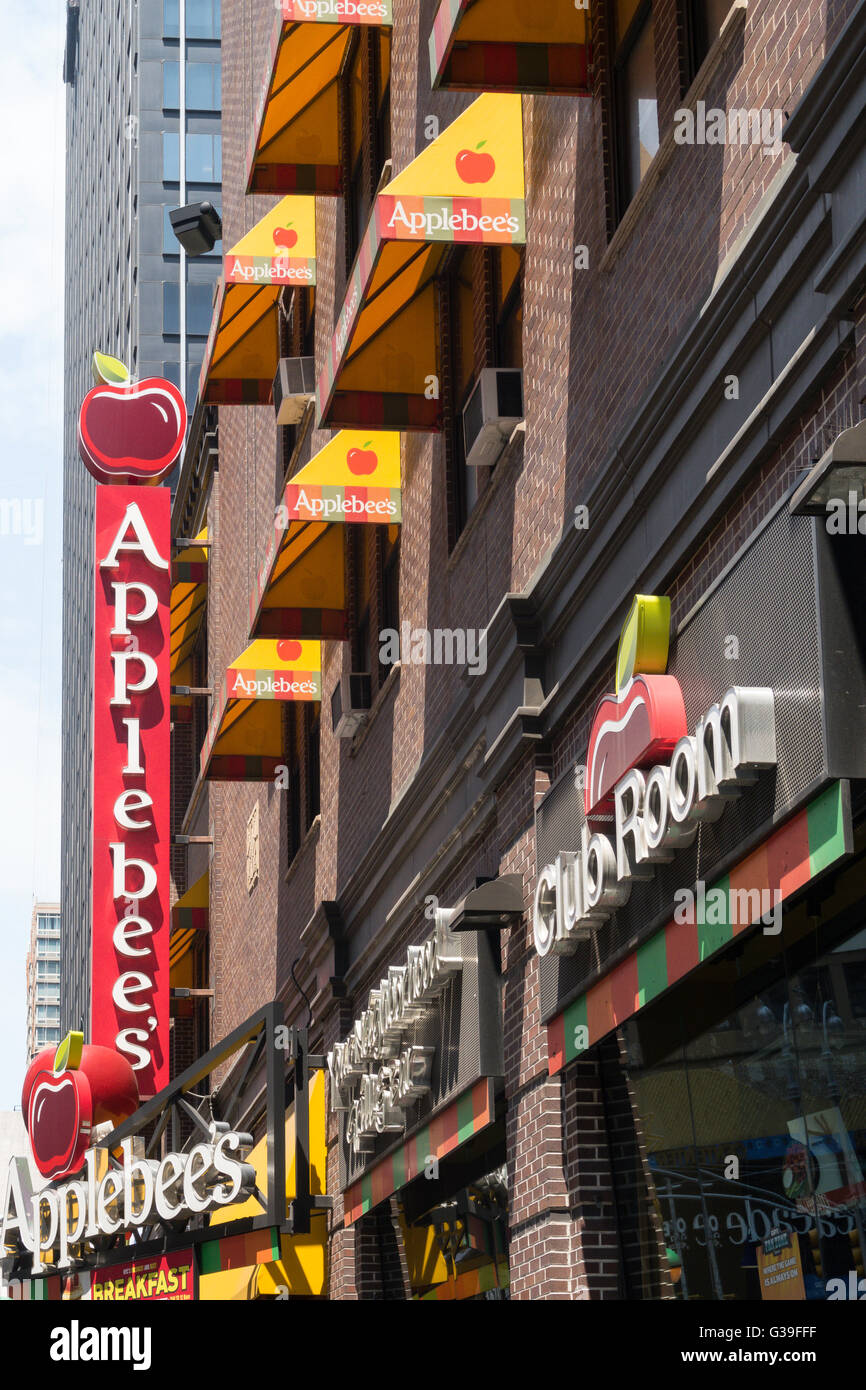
(130, 436)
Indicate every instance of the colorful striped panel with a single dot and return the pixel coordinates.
(489, 66)
(240, 1252)
(325, 624)
(794, 854)
(464, 1117)
(470, 1284)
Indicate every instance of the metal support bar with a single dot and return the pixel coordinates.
(183, 543)
(192, 839)
(301, 1201)
(276, 1101)
(193, 1114)
(192, 690)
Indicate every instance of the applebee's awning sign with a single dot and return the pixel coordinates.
(651, 778)
(130, 436)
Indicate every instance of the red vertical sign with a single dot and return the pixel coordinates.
(131, 818)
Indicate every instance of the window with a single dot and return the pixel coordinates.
(203, 158)
(312, 725)
(389, 544)
(202, 19)
(367, 137)
(171, 19)
(199, 309)
(171, 86)
(204, 86)
(303, 723)
(48, 970)
(635, 105)
(170, 307)
(703, 24)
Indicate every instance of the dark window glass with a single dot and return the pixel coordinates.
(170, 307)
(171, 86)
(635, 101)
(204, 158)
(390, 616)
(508, 272)
(203, 86)
(171, 156)
(171, 19)
(313, 770)
(202, 19)
(199, 309)
(704, 20)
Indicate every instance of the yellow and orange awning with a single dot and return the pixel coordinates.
(301, 588)
(245, 740)
(266, 1264)
(296, 143)
(189, 571)
(243, 349)
(511, 46)
(467, 187)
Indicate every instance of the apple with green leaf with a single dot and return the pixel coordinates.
(362, 462)
(66, 1093)
(285, 238)
(476, 166)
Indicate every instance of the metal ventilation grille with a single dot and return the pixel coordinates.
(767, 601)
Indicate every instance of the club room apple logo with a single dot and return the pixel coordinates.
(362, 462)
(645, 719)
(285, 238)
(66, 1093)
(130, 432)
(476, 166)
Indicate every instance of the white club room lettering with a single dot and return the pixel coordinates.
(656, 813)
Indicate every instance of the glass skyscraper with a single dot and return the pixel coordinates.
(143, 83)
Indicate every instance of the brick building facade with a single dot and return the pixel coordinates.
(690, 348)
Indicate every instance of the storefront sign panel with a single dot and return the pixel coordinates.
(167, 1278)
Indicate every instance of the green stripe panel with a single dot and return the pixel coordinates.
(210, 1257)
(715, 930)
(826, 821)
(465, 1118)
(652, 968)
(367, 1192)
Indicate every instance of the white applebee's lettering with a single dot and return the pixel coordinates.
(134, 878)
(428, 224)
(655, 814)
(212, 1175)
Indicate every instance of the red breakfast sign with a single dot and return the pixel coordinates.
(141, 428)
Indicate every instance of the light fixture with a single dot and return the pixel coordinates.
(197, 227)
(491, 906)
(840, 472)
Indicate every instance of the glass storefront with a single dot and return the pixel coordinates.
(737, 1115)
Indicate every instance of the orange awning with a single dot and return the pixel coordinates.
(245, 740)
(189, 918)
(466, 187)
(188, 607)
(511, 46)
(301, 585)
(296, 140)
(243, 349)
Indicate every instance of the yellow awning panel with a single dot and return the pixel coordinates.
(243, 348)
(300, 590)
(245, 740)
(301, 1269)
(296, 133)
(189, 571)
(467, 187)
(189, 918)
(511, 46)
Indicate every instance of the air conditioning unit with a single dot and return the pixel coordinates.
(350, 705)
(294, 388)
(493, 412)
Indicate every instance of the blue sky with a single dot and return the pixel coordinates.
(32, 107)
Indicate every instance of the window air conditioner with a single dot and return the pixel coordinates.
(350, 705)
(294, 388)
(494, 410)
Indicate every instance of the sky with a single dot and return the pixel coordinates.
(32, 108)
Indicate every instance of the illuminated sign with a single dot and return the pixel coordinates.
(66, 1221)
(167, 1278)
(656, 806)
(130, 436)
(66, 1094)
(376, 1075)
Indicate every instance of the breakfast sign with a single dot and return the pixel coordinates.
(130, 435)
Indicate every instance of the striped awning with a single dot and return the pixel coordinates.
(467, 187)
(243, 348)
(245, 740)
(297, 132)
(189, 575)
(301, 586)
(511, 46)
(189, 918)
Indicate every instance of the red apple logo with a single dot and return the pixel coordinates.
(132, 433)
(362, 462)
(68, 1091)
(639, 727)
(473, 166)
(289, 651)
(285, 238)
